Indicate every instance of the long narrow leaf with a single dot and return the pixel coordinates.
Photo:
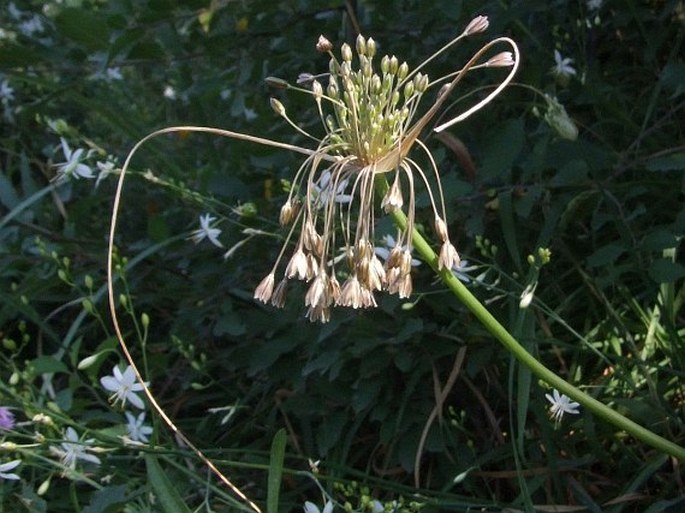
(275, 471)
(167, 495)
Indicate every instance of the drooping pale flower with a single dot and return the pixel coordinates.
(310, 507)
(206, 231)
(561, 404)
(562, 68)
(137, 431)
(72, 450)
(123, 387)
(368, 109)
(6, 418)
(5, 470)
(74, 166)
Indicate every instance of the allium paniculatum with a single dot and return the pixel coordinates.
(367, 106)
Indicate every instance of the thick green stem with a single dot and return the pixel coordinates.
(508, 341)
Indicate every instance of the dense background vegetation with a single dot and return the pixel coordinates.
(371, 393)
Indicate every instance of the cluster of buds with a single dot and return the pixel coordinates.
(368, 117)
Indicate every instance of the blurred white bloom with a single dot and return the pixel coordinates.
(594, 5)
(6, 92)
(124, 387)
(563, 67)
(113, 74)
(527, 295)
(106, 168)
(169, 92)
(29, 27)
(383, 252)
(6, 467)
(323, 190)
(310, 507)
(561, 404)
(137, 431)
(12, 10)
(206, 232)
(74, 165)
(72, 450)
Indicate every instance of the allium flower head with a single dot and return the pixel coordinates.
(369, 108)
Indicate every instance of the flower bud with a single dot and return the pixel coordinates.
(385, 64)
(557, 117)
(277, 83)
(88, 361)
(476, 25)
(361, 45)
(504, 59)
(370, 48)
(346, 52)
(394, 64)
(403, 71)
(323, 45)
(277, 106)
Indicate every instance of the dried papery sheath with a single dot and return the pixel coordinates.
(369, 108)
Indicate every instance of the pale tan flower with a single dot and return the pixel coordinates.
(369, 111)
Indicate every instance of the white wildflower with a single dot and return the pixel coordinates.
(74, 166)
(124, 387)
(137, 431)
(562, 68)
(72, 450)
(206, 232)
(560, 405)
(6, 467)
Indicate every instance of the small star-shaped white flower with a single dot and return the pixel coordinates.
(206, 232)
(390, 243)
(72, 450)
(563, 67)
(124, 387)
(6, 467)
(73, 167)
(322, 190)
(137, 431)
(561, 404)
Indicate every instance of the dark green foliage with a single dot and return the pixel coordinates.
(357, 392)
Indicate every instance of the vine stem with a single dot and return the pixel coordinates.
(513, 346)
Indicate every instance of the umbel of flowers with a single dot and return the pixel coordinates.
(368, 107)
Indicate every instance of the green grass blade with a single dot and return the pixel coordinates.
(275, 471)
(167, 494)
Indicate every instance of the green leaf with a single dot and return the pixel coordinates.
(605, 255)
(84, 27)
(46, 364)
(675, 162)
(167, 494)
(665, 270)
(107, 500)
(275, 471)
(503, 148)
